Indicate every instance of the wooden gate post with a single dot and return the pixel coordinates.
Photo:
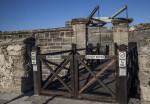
(122, 76)
(90, 48)
(73, 70)
(37, 75)
(98, 52)
(76, 71)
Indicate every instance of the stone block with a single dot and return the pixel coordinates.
(51, 44)
(144, 47)
(66, 47)
(55, 47)
(44, 76)
(2, 60)
(61, 34)
(14, 48)
(57, 40)
(144, 78)
(65, 44)
(43, 40)
(54, 34)
(55, 50)
(47, 35)
(49, 40)
(39, 35)
(69, 34)
(46, 71)
(144, 63)
(145, 94)
(58, 44)
(67, 40)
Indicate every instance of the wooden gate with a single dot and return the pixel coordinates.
(90, 76)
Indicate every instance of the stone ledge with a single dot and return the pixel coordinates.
(35, 31)
(80, 21)
(121, 20)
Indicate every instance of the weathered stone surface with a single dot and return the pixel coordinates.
(144, 69)
(144, 62)
(145, 93)
(120, 30)
(80, 31)
(122, 20)
(2, 60)
(144, 77)
(14, 67)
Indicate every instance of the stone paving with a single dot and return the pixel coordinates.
(29, 98)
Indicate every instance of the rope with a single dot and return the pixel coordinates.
(99, 27)
(127, 22)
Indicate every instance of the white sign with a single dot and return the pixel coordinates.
(33, 57)
(34, 67)
(95, 57)
(33, 61)
(122, 71)
(53, 57)
(122, 55)
(122, 59)
(33, 53)
(122, 62)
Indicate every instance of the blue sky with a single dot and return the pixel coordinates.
(43, 14)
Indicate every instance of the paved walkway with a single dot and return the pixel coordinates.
(29, 98)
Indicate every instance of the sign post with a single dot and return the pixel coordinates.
(36, 70)
(122, 77)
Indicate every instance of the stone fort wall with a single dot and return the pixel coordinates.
(15, 61)
(16, 68)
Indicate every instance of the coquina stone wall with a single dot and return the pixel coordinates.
(139, 32)
(97, 35)
(15, 48)
(136, 33)
(144, 69)
(15, 61)
(15, 68)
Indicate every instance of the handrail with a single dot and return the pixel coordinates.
(67, 51)
(55, 53)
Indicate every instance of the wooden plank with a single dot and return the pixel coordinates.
(55, 64)
(55, 71)
(97, 98)
(97, 75)
(53, 92)
(72, 78)
(101, 83)
(76, 72)
(66, 86)
(53, 76)
(117, 82)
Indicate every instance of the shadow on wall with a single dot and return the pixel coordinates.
(27, 80)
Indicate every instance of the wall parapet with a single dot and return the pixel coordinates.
(35, 31)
